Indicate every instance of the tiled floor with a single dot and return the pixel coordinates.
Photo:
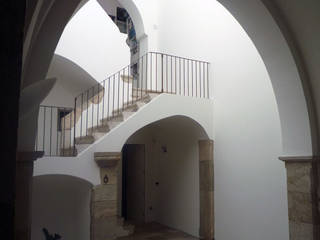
(155, 231)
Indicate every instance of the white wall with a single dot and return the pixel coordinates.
(83, 166)
(175, 201)
(93, 41)
(62, 205)
(250, 183)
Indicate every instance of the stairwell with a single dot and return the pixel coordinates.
(103, 110)
(107, 124)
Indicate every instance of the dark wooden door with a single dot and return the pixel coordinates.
(133, 206)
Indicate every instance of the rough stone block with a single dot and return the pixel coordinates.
(301, 231)
(205, 150)
(299, 177)
(111, 173)
(300, 207)
(206, 176)
(206, 214)
(104, 192)
(104, 209)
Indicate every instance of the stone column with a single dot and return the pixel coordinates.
(105, 222)
(23, 200)
(206, 175)
(302, 181)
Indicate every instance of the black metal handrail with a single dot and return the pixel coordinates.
(154, 72)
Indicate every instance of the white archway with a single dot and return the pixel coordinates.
(274, 50)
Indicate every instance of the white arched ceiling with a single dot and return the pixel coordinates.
(134, 13)
(274, 50)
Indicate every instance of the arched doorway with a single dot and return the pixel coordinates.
(167, 177)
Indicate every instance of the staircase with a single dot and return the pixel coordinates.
(101, 110)
(107, 124)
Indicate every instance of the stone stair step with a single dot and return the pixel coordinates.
(89, 139)
(129, 108)
(115, 118)
(98, 129)
(68, 152)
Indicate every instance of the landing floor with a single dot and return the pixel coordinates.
(155, 231)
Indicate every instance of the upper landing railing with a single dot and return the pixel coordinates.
(152, 73)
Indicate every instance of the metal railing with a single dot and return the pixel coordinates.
(152, 73)
(55, 131)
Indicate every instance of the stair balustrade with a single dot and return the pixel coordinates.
(104, 103)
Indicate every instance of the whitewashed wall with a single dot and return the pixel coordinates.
(62, 205)
(175, 201)
(250, 182)
(94, 42)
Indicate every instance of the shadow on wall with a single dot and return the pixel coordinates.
(60, 207)
(71, 76)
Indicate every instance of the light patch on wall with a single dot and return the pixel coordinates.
(94, 42)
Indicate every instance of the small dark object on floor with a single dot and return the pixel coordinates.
(49, 236)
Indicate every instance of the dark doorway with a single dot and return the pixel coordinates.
(133, 183)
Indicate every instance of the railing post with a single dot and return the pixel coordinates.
(161, 72)
(74, 125)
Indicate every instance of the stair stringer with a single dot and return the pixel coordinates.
(161, 107)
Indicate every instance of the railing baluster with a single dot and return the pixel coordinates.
(203, 79)
(50, 130)
(128, 90)
(184, 77)
(44, 130)
(171, 74)
(74, 124)
(151, 73)
(196, 80)
(123, 75)
(98, 106)
(180, 76)
(87, 112)
(208, 80)
(64, 132)
(167, 88)
(141, 81)
(92, 107)
(70, 129)
(200, 78)
(81, 115)
(118, 92)
(175, 73)
(147, 72)
(156, 72)
(188, 76)
(132, 95)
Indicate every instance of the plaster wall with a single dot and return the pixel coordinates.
(83, 166)
(174, 202)
(62, 205)
(247, 130)
(93, 41)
